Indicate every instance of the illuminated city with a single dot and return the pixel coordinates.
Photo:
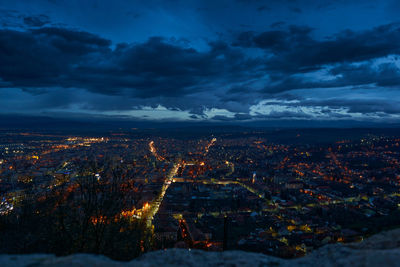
(242, 190)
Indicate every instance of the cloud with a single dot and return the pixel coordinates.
(385, 74)
(158, 68)
(46, 57)
(358, 106)
(364, 74)
(294, 50)
(296, 10)
(325, 109)
(296, 60)
(277, 24)
(263, 8)
(63, 68)
(36, 21)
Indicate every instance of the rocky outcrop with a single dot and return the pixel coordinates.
(379, 250)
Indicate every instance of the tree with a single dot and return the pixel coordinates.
(82, 215)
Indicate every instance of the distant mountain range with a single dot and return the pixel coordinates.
(98, 123)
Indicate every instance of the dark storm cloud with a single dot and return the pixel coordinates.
(202, 62)
(14, 19)
(263, 8)
(36, 21)
(9, 18)
(277, 24)
(160, 68)
(385, 74)
(49, 57)
(382, 75)
(45, 57)
(293, 53)
(294, 50)
(296, 10)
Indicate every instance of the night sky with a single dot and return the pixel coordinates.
(213, 61)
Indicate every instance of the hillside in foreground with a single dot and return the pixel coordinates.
(379, 250)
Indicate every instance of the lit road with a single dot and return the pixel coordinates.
(185, 233)
(207, 148)
(153, 150)
(156, 203)
(223, 182)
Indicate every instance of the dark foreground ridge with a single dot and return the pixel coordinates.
(379, 250)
